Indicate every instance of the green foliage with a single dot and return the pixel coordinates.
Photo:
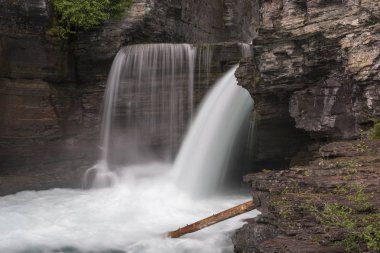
(59, 32)
(282, 207)
(360, 229)
(374, 132)
(360, 198)
(360, 222)
(372, 236)
(361, 147)
(73, 15)
(285, 191)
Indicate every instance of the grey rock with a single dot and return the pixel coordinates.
(314, 76)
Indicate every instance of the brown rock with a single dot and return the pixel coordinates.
(293, 201)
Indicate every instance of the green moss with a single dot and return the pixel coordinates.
(74, 15)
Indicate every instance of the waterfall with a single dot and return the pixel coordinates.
(208, 146)
(148, 101)
(204, 59)
(246, 50)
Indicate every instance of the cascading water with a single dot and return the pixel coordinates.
(148, 99)
(204, 53)
(146, 201)
(208, 146)
(246, 49)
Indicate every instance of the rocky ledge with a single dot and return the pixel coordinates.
(330, 205)
(315, 74)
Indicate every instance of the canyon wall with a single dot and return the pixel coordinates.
(314, 76)
(51, 91)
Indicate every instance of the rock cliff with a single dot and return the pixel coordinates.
(315, 80)
(314, 76)
(51, 91)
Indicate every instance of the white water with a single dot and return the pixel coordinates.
(145, 200)
(204, 155)
(132, 216)
(148, 101)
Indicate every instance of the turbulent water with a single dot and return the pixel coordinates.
(146, 200)
(130, 217)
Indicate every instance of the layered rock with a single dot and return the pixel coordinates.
(169, 21)
(315, 74)
(322, 207)
(51, 91)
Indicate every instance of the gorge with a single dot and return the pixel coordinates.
(311, 67)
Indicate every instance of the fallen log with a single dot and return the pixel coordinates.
(216, 218)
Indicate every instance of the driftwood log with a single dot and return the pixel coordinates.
(216, 218)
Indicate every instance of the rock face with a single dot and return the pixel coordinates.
(157, 21)
(315, 74)
(300, 206)
(314, 78)
(51, 91)
(39, 118)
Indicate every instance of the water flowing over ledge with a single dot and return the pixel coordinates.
(147, 197)
(207, 149)
(147, 107)
(148, 101)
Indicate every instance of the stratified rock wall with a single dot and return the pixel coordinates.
(315, 73)
(37, 118)
(157, 21)
(314, 78)
(51, 91)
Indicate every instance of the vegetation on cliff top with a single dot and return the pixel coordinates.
(348, 211)
(74, 15)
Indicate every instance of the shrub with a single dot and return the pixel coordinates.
(361, 222)
(74, 15)
(374, 132)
